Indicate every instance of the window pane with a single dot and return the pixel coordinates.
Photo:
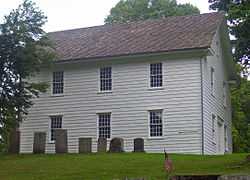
(212, 80)
(55, 123)
(58, 82)
(156, 75)
(104, 125)
(155, 123)
(106, 79)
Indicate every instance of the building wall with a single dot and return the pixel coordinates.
(129, 103)
(214, 104)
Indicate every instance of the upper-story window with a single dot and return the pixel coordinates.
(106, 79)
(156, 75)
(224, 94)
(212, 79)
(58, 82)
(155, 123)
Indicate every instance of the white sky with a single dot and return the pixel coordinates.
(69, 14)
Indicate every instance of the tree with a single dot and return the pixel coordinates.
(238, 14)
(24, 49)
(134, 10)
(240, 96)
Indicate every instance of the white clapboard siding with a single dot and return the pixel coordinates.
(214, 104)
(129, 103)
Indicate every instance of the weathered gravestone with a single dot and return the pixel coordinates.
(61, 141)
(85, 145)
(14, 142)
(138, 145)
(116, 145)
(39, 142)
(102, 145)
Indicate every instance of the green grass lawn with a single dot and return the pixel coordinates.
(114, 166)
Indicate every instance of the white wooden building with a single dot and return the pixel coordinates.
(166, 81)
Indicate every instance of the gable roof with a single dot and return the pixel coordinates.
(150, 36)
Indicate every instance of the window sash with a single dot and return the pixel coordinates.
(58, 84)
(224, 94)
(104, 128)
(55, 123)
(156, 75)
(213, 127)
(106, 79)
(212, 80)
(226, 137)
(155, 124)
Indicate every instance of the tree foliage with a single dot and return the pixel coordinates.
(240, 96)
(238, 14)
(24, 49)
(134, 10)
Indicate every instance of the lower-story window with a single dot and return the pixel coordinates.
(155, 123)
(226, 138)
(104, 127)
(55, 123)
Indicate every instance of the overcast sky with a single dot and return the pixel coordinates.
(69, 14)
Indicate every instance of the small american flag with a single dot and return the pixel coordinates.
(168, 164)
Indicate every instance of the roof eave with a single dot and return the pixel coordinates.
(176, 53)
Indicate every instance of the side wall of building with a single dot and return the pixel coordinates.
(129, 104)
(214, 104)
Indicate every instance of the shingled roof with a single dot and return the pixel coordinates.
(150, 36)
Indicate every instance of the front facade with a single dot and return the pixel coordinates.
(174, 100)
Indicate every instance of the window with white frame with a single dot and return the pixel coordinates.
(156, 75)
(213, 128)
(104, 127)
(106, 79)
(155, 123)
(58, 82)
(224, 94)
(212, 79)
(226, 138)
(55, 123)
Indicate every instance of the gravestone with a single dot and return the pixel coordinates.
(61, 141)
(138, 145)
(102, 145)
(85, 145)
(116, 145)
(14, 142)
(39, 142)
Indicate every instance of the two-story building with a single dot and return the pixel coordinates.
(166, 81)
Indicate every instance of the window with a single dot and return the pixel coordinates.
(226, 138)
(55, 123)
(156, 75)
(155, 118)
(104, 125)
(224, 94)
(106, 79)
(213, 127)
(212, 80)
(58, 82)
